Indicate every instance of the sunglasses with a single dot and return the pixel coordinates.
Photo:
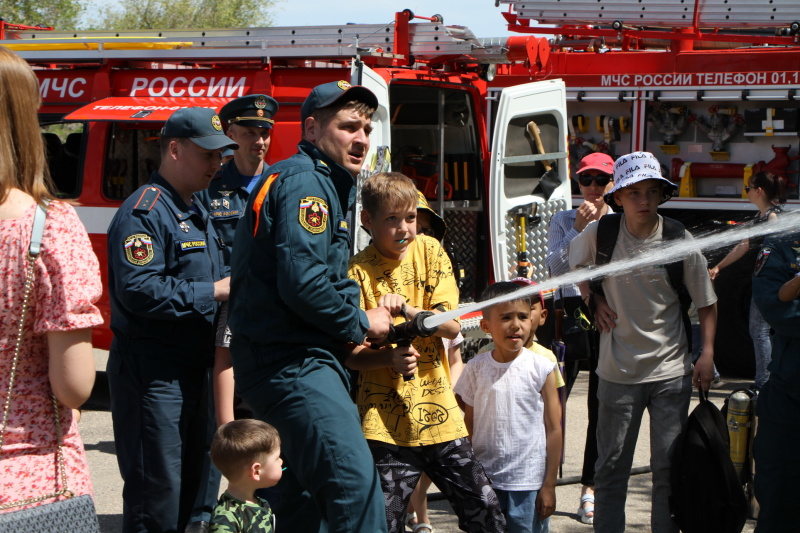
(582, 319)
(748, 187)
(600, 179)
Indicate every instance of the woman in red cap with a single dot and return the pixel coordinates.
(595, 178)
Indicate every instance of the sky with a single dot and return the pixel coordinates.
(481, 16)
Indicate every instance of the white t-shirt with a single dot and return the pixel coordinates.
(508, 417)
(649, 341)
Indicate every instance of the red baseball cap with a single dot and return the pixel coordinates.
(597, 161)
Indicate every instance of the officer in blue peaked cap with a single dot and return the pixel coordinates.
(252, 110)
(249, 121)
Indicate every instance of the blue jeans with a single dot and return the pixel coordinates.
(762, 344)
(519, 506)
(697, 347)
(619, 419)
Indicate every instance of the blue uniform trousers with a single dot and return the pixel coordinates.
(776, 455)
(330, 483)
(159, 410)
(208, 494)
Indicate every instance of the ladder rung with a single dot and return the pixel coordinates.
(723, 14)
(427, 41)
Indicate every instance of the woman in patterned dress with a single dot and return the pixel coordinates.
(56, 351)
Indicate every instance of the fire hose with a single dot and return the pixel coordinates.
(405, 333)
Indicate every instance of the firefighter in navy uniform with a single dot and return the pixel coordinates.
(295, 314)
(778, 407)
(249, 121)
(166, 274)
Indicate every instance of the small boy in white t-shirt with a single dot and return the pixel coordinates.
(512, 411)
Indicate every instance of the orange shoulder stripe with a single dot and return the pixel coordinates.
(259, 201)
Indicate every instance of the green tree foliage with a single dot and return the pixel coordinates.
(177, 14)
(62, 14)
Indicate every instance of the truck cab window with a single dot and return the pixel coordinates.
(133, 154)
(434, 126)
(428, 120)
(64, 149)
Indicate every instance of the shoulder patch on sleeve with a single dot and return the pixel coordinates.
(139, 249)
(761, 260)
(313, 214)
(148, 199)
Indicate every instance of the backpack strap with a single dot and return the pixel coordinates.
(674, 230)
(717, 441)
(607, 232)
(714, 439)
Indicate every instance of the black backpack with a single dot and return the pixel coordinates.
(707, 495)
(607, 233)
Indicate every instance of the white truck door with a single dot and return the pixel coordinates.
(378, 157)
(529, 180)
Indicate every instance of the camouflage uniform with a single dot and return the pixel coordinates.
(235, 516)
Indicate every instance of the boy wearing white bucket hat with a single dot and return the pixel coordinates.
(645, 359)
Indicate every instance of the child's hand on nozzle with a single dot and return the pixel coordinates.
(404, 360)
(395, 303)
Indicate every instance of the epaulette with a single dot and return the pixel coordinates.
(322, 167)
(148, 199)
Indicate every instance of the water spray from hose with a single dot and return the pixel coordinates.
(659, 254)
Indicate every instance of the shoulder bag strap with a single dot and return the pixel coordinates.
(34, 250)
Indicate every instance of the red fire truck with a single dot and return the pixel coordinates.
(107, 94)
(708, 86)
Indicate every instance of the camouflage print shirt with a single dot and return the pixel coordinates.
(235, 516)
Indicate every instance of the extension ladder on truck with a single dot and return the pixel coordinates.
(397, 43)
(709, 20)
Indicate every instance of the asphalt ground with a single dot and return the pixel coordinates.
(95, 428)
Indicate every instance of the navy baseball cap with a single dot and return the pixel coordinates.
(251, 110)
(200, 125)
(329, 93)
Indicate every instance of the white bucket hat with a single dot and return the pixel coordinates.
(635, 167)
